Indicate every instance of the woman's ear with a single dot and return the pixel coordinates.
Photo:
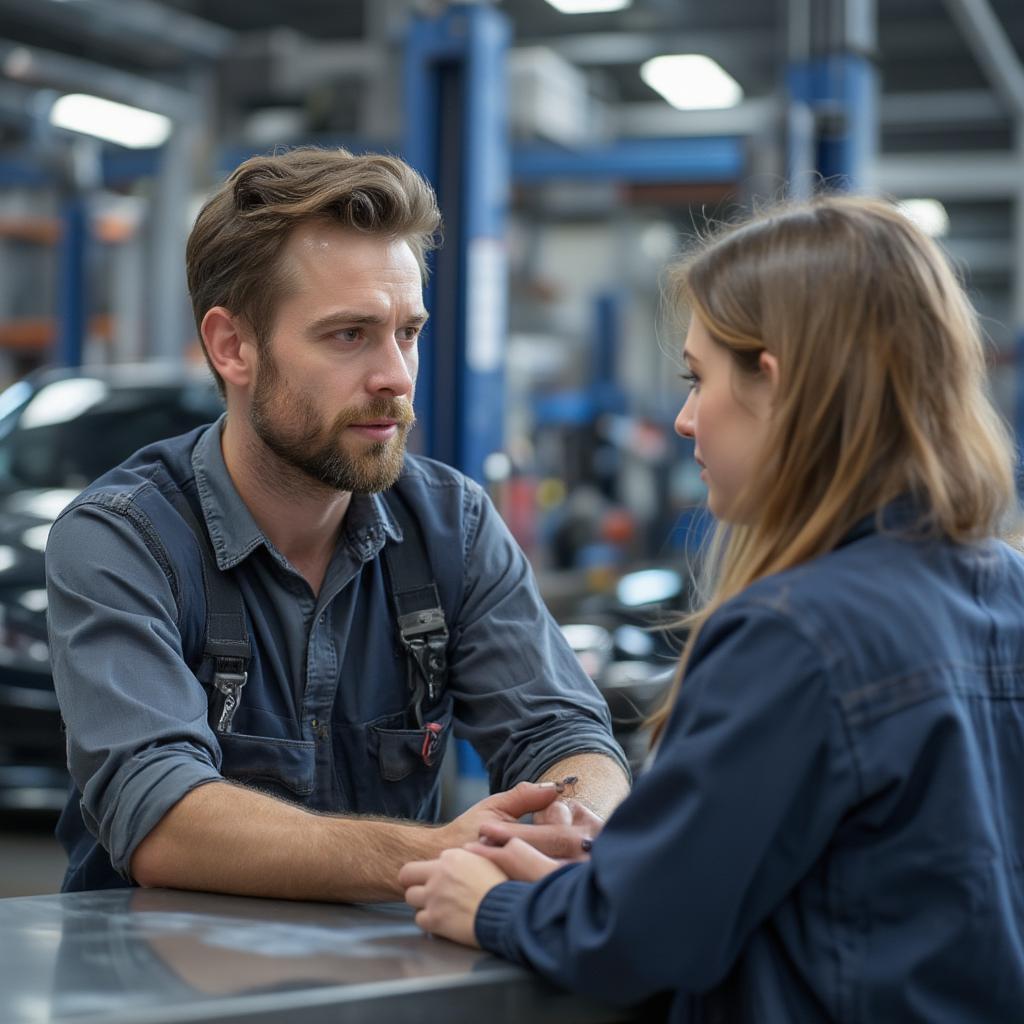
(769, 367)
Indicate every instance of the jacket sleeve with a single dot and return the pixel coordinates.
(137, 732)
(522, 698)
(751, 778)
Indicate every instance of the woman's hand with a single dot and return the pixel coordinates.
(564, 830)
(518, 860)
(446, 892)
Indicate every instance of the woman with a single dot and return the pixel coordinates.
(832, 828)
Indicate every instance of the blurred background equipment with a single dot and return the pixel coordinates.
(577, 146)
(59, 430)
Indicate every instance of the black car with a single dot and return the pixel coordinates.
(59, 430)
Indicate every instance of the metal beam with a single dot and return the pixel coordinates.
(967, 176)
(298, 63)
(125, 25)
(981, 255)
(609, 48)
(992, 50)
(659, 120)
(961, 107)
(701, 160)
(58, 71)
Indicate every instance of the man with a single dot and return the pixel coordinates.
(305, 272)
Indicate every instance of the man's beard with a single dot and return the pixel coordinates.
(297, 438)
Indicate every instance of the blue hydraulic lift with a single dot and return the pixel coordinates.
(74, 246)
(832, 83)
(456, 135)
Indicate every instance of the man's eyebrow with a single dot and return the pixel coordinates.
(356, 319)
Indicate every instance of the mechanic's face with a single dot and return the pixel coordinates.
(335, 381)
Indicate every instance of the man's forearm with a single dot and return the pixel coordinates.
(225, 838)
(600, 784)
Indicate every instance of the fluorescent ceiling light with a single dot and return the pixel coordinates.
(589, 6)
(691, 81)
(928, 214)
(114, 122)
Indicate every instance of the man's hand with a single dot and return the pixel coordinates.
(501, 808)
(563, 830)
(447, 892)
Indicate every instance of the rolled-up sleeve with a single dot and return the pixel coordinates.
(137, 733)
(522, 698)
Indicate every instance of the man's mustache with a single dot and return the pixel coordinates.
(397, 409)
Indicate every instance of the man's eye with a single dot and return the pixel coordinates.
(349, 334)
(409, 333)
(691, 380)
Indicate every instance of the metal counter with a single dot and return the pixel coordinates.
(150, 956)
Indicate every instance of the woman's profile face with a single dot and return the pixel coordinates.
(727, 416)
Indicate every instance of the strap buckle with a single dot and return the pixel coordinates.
(228, 679)
(424, 635)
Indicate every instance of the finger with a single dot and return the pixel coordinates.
(525, 798)
(554, 840)
(521, 861)
(416, 872)
(558, 813)
(422, 920)
(416, 896)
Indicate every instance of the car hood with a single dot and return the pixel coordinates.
(25, 520)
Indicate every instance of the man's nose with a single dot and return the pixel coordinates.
(395, 371)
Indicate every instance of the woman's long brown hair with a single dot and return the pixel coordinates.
(881, 390)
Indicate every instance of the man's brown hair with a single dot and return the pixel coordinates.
(233, 257)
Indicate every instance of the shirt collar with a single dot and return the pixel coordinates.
(235, 534)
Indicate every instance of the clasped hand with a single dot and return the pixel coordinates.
(447, 892)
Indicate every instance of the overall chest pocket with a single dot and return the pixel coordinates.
(387, 768)
(281, 767)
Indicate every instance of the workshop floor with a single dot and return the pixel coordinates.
(31, 861)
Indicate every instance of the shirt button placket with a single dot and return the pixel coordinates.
(319, 648)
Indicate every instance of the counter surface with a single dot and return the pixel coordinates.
(150, 956)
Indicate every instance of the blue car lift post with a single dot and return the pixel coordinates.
(832, 83)
(456, 135)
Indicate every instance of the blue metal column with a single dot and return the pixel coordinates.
(609, 330)
(832, 75)
(73, 316)
(456, 134)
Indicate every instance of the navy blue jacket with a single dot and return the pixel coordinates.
(325, 716)
(833, 826)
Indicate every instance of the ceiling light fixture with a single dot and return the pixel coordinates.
(589, 6)
(691, 81)
(928, 214)
(113, 122)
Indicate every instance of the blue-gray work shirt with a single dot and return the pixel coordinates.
(324, 717)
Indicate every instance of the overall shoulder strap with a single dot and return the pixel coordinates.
(226, 640)
(422, 628)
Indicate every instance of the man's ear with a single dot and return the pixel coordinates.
(230, 345)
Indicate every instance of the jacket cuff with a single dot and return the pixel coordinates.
(493, 918)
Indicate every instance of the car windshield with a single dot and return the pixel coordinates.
(72, 430)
